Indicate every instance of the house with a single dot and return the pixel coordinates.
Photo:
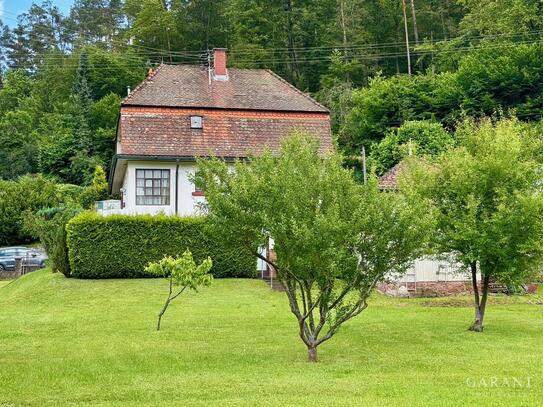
(428, 276)
(182, 112)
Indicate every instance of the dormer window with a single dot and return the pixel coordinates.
(196, 122)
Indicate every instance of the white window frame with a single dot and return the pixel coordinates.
(196, 122)
(153, 188)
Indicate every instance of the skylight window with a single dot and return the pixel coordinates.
(196, 122)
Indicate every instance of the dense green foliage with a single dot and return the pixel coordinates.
(64, 76)
(96, 190)
(120, 246)
(49, 225)
(18, 199)
(413, 137)
(493, 79)
(334, 239)
(489, 204)
(61, 121)
(26, 203)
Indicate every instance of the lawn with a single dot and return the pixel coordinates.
(66, 341)
(4, 282)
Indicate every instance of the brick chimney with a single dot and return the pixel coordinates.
(219, 64)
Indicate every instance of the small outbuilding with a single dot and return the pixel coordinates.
(430, 276)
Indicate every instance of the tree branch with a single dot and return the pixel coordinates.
(178, 294)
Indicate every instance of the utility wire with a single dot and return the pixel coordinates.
(234, 51)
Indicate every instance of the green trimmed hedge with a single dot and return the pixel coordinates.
(120, 246)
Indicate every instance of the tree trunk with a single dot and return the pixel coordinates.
(165, 307)
(168, 40)
(416, 31)
(414, 15)
(480, 301)
(406, 38)
(162, 311)
(290, 37)
(312, 353)
(477, 325)
(343, 28)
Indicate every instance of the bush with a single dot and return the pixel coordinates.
(425, 137)
(28, 194)
(96, 190)
(120, 246)
(49, 225)
(387, 103)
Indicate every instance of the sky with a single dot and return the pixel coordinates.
(9, 9)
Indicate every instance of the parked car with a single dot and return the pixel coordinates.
(31, 257)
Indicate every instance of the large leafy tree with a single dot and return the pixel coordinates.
(489, 204)
(413, 137)
(389, 102)
(502, 17)
(502, 77)
(492, 79)
(96, 22)
(334, 239)
(18, 152)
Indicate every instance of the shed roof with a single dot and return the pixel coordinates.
(389, 180)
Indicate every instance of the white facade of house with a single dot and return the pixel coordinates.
(179, 175)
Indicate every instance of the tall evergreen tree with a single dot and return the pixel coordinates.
(82, 100)
(97, 22)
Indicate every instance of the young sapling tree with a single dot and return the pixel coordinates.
(182, 273)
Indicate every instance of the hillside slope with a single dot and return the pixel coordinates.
(94, 342)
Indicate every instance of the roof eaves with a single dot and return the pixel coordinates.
(323, 112)
(143, 157)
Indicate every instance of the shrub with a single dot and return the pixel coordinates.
(96, 190)
(49, 225)
(120, 246)
(28, 194)
(425, 137)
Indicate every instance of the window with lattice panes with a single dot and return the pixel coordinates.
(152, 187)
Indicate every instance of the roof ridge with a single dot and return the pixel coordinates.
(296, 89)
(144, 83)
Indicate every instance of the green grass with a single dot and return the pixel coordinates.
(75, 342)
(4, 282)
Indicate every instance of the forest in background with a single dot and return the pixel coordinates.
(63, 76)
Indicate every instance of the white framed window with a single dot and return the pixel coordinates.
(196, 122)
(152, 187)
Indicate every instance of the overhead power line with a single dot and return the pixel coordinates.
(376, 51)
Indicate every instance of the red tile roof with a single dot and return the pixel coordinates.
(154, 131)
(389, 180)
(189, 86)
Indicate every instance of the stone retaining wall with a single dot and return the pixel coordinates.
(426, 288)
